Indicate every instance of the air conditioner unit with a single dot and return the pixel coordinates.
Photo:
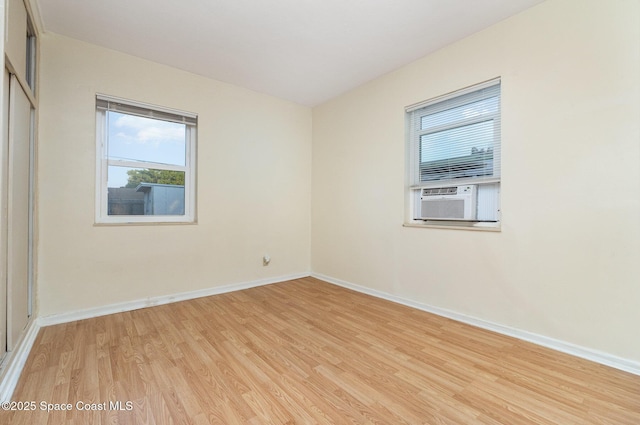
(448, 203)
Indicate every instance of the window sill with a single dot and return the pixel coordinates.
(143, 223)
(482, 227)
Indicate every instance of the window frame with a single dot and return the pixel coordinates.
(414, 185)
(103, 162)
(31, 56)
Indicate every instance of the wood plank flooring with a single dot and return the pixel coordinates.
(307, 352)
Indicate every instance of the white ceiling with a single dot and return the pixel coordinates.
(306, 51)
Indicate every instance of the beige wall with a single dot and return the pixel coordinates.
(565, 264)
(254, 157)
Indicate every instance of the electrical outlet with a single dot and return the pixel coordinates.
(266, 260)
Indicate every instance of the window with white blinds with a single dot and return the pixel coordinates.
(454, 142)
(456, 138)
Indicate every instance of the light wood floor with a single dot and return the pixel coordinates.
(307, 352)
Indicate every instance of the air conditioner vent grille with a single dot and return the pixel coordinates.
(452, 209)
(439, 191)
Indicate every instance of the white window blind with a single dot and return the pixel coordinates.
(456, 138)
(105, 103)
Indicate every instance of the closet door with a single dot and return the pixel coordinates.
(18, 218)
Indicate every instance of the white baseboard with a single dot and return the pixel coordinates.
(15, 361)
(89, 313)
(562, 346)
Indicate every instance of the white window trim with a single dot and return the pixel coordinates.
(413, 186)
(102, 165)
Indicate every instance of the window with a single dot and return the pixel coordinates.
(145, 163)
(454, 158)
(30, 71)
